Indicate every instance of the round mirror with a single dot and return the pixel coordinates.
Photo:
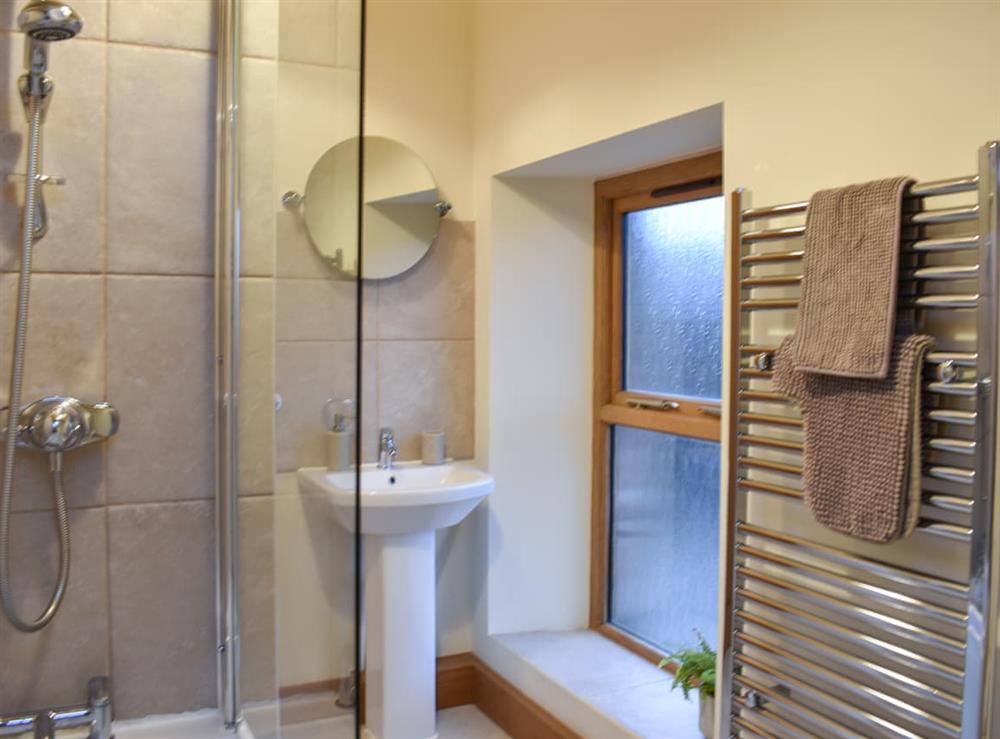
(402, 207)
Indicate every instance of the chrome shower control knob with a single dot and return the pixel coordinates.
(53, 424)
(58, 424)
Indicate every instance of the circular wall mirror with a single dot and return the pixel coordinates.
(402, 207)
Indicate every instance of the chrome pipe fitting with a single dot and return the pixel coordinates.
(99, 694)
(45, 727)
(95, 715)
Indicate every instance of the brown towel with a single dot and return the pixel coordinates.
(861, 462)
(847, 309)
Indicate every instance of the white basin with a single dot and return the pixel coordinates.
(408, 498)
(400, 510)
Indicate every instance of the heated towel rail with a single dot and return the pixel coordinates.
(826, 635)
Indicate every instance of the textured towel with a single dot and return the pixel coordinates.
(847, 309)
(861, 462)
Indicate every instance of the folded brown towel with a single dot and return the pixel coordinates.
(861, 461)
(847, 308)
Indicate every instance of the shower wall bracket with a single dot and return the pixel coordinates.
(41, 224)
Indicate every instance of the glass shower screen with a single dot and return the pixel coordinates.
(299, 90)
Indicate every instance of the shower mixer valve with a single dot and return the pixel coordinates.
(56, 424)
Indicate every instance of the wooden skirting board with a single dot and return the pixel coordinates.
(464, 679)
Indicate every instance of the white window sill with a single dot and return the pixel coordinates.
(593, 685)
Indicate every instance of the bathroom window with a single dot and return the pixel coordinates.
(659, 245)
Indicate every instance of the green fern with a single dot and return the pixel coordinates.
(695, 669)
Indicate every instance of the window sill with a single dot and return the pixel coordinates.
(593, 685)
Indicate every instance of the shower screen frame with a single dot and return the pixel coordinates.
(228, 214)
(226, 358)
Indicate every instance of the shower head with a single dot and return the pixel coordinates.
(49, 20)
(43, 21)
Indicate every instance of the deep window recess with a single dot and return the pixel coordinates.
(659, 240)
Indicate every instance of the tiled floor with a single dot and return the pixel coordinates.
(467, 722)
(196, 725)
(464, 722)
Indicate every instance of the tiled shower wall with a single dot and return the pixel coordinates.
(122, 311)
(417, 353)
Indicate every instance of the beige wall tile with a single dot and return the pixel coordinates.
(425, 385)
(294, 252)
(435, 299)
(51, 667)
(319, 310)
(73, 147)
(257, 635)
(308, 373)
(83, 474)
(308, 31)
(162, 607)
(160, 186)
(65, 343)
(369, 393)
(260, 28)
(314, 583)
(259, 201)
(256, 386)
(160, 348)
(93, 12)
(183, 24)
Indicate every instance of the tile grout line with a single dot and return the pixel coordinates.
(120, 275)
(349, 340)
(108, 41)
(105, 453)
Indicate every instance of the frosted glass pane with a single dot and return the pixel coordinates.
(673, 299)
(664, 536)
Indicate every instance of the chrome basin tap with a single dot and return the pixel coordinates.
(387, 450)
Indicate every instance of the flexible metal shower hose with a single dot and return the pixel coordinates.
(35, 113)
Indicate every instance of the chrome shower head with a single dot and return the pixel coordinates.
(43, 21)
(49, 20)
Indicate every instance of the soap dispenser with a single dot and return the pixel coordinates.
(337, 417)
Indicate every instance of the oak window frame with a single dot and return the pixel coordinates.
(677, 182)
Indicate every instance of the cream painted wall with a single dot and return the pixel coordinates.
(814, 94)
(839, 92)
(541, 278)
(419, 87)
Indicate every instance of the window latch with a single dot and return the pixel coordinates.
(653, 403)
(710, 410)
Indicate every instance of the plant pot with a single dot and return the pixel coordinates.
(706, 716)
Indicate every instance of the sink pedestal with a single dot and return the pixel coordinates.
(400, 665)
(401, 508)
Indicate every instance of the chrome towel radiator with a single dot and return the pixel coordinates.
(829, 636)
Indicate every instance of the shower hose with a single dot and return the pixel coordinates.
(35, 114)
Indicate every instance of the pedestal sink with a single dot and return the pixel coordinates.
(400, 510)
